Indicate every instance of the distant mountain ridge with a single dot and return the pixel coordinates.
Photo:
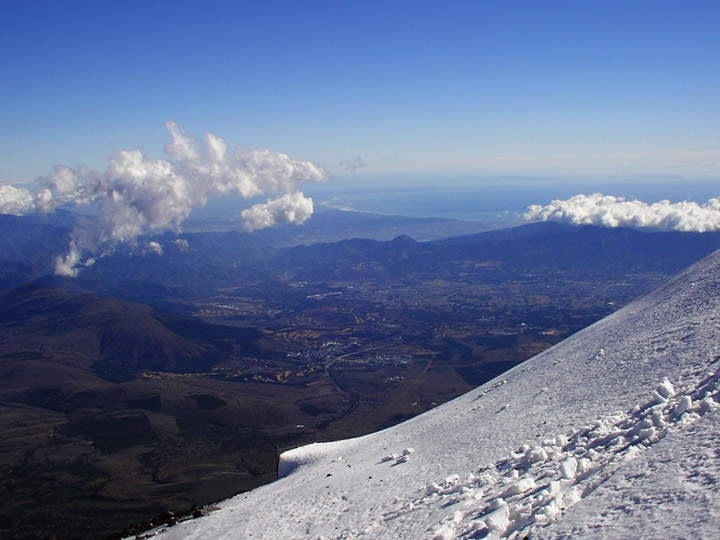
(548, 244)
(212, 260)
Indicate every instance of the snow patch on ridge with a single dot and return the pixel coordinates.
(293, 459)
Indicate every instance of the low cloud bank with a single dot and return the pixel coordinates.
(137, 195)
(609, 211)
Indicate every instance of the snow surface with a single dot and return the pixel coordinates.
(613, 433)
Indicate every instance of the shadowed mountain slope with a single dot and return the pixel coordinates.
(119, 339)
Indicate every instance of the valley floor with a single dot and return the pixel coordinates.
(609, 434)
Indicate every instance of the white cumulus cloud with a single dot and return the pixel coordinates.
(610, 211)
(291, 207)
(137, 195)
(15, 201)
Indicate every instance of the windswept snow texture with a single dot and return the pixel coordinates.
(611, 434)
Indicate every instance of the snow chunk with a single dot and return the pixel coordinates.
(707, 405)
(568, 468)
(521, 486)
(664, 391)
(645, 434)
(571, 497)
(584, 465)
(446, 532)
(452, 479)
(548, 512)
(658, 419)
(683, 406)
(432, 488)
(498, 520)
(536, 454)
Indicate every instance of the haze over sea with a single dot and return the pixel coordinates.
(490, 199)
(471, 198)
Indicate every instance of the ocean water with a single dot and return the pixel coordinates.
(474, 199)
(494, 199)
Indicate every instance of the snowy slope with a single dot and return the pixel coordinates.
(615, 428)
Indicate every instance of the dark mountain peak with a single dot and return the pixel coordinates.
(403, 239)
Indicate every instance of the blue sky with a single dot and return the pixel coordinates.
(478, 88)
